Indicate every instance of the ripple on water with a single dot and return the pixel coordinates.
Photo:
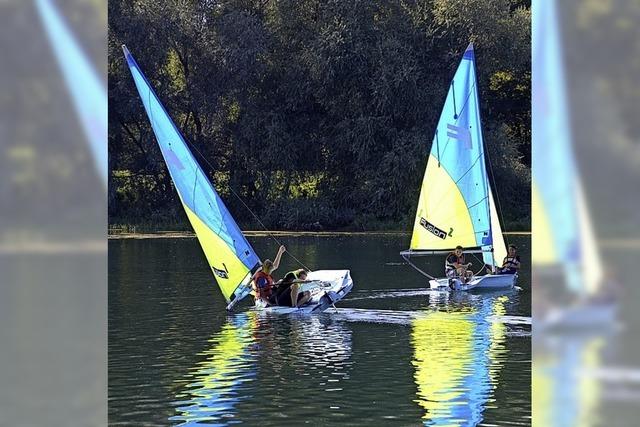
(415, 357)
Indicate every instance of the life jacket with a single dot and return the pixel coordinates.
(448, 266)
(510, 262)
(265, 290)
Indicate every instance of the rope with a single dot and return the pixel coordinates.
(481, 262)
(249, 209)
(408, 259)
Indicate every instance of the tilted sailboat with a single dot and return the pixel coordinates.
(456, 205)
(230, 256)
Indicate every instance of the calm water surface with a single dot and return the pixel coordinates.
(393, 353)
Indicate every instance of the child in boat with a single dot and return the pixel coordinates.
(263, 285)
(511, 263)
(455, 266)
(288, 293)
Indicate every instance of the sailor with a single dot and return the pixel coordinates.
(263, 280)
(511, 263)
(288, 293)
(455, 266)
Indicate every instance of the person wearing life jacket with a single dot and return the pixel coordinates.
(288, 293)
(455, 266)
(263, 284)
(511, 263)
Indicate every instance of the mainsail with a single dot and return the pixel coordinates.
(88, 93)
(562, 232)
(456, 206)
(230, 256)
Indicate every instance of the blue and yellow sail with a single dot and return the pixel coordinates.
(456, 203)
(88, 93)
(231, 258)
(562, 231)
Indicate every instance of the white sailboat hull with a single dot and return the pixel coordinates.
(489, 282)
(578, 317)
(327, 287)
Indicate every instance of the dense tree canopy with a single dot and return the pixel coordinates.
(318, 114)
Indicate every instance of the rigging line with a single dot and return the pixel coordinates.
(495, 190)
(248, 208)
(464, 106)
(482, 263)
(437, 147)
(151, 93)
(424, 273)
(197, 165)
(488, 157)
(456, 182)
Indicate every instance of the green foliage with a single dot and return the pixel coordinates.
(318, 114)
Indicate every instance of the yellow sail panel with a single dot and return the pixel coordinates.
(442, 220)
(227, 268)
(543, 251)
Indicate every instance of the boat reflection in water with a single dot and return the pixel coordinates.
(229, 362)
(563, 395)
(457, 357)
(279, 350)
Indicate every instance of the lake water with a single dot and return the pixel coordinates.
(393, 353)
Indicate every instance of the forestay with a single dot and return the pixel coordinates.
(456, 205)
(230, 256)
(563, 234)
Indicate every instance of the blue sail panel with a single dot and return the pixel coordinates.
(207, 213)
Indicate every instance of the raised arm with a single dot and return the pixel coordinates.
(276, 262)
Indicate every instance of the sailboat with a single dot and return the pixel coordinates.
(456, 205)
(564, 247)
(231, 258)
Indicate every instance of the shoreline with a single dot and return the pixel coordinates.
(256, 233)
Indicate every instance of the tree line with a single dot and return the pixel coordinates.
(319, 115)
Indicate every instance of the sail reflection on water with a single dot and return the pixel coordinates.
(229, 362)
(256, 355)
(457, 358)
(562, 395)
